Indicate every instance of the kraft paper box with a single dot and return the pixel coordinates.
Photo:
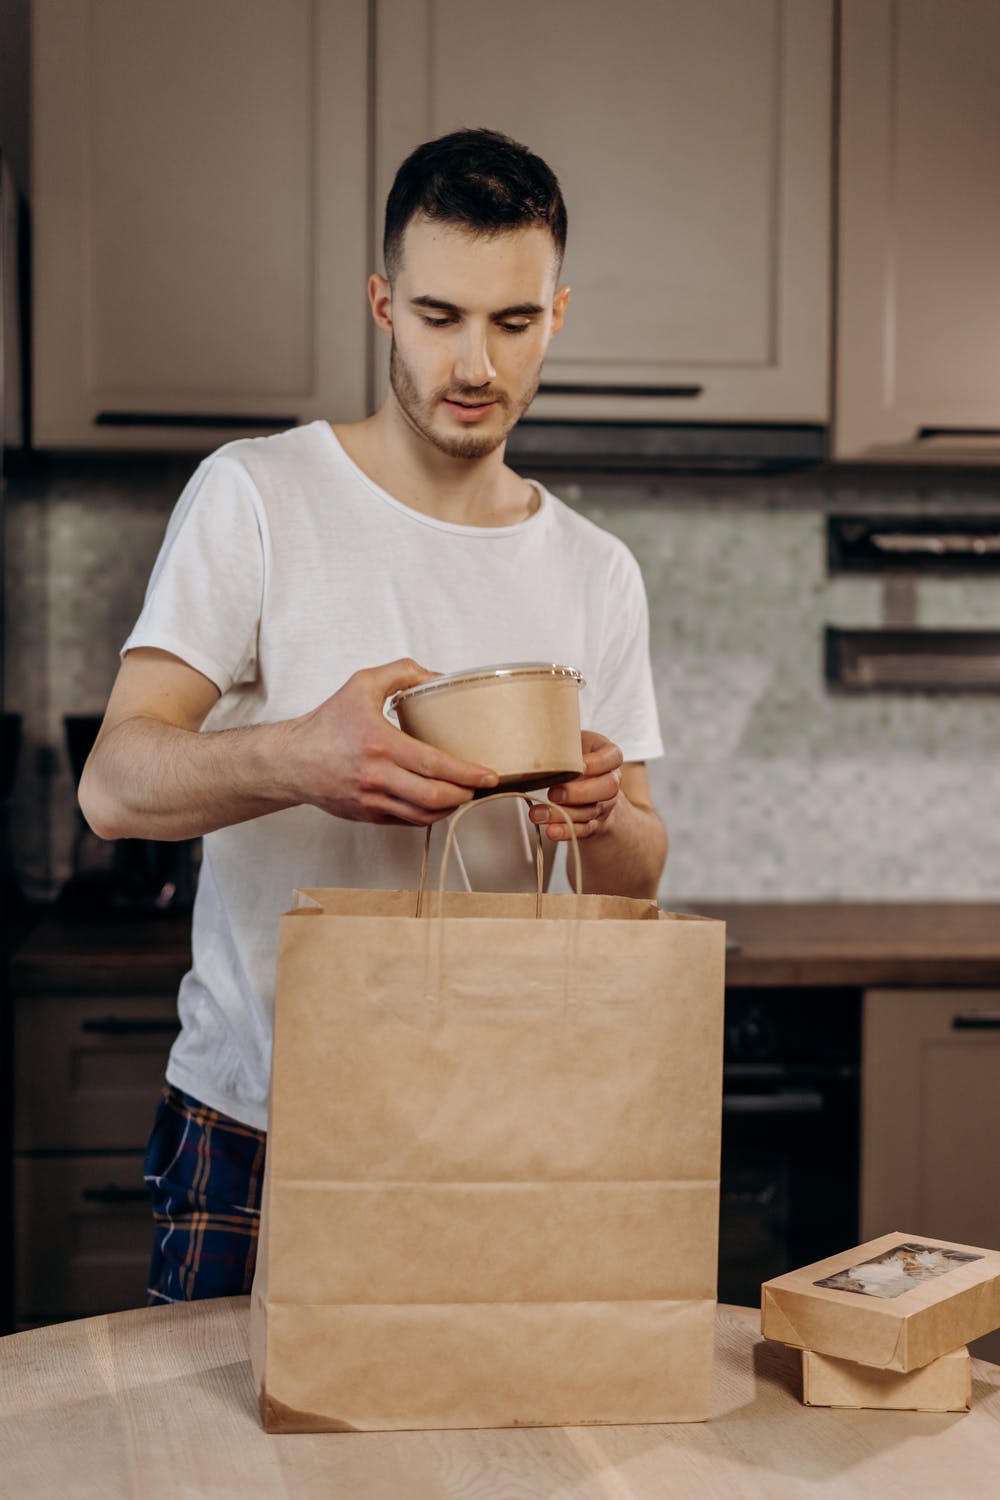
(896, 1303)
(943, 1385)
(492, 1175)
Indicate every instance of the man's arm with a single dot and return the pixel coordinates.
(152, 774)
(623, 842)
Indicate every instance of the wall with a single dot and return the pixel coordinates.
(772, 786)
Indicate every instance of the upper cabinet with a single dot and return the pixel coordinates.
(692, 139)
(200, 219)
(918, 330)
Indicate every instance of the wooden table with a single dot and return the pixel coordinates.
(160, 1402)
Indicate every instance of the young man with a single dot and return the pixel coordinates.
(302, 579)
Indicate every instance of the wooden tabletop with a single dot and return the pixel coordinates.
(160, 1403)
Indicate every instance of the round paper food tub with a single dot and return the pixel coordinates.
(521, 719)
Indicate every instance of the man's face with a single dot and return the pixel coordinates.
(471, 318)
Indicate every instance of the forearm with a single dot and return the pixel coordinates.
(149, 779)
(626, 857)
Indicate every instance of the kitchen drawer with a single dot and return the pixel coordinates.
(89, 1069)
(83, 1235)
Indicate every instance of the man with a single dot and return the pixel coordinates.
(301, 580)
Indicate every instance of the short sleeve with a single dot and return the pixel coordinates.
(203, 601)
(624, 703)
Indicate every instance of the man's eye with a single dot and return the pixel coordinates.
(515, 327)
(438, 322)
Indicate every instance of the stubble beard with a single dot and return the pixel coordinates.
(419, 411)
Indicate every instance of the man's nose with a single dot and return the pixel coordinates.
(473, 365)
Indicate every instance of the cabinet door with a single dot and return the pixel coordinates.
(692, 141)
(89, 1069)
(84, 1236)
(200, 212)
(931, 1108)
(918, 334)
(930, 1114)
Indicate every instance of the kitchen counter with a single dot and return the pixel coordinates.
(160, 1402)
(779, 943)
(143, 955)
(863, 944)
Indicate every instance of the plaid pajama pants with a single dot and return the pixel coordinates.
(204, 1172)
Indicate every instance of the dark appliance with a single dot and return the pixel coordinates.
(129, 877)
(12, 898)
(790, 1133)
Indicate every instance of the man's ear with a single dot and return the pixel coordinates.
(560, 302)
(380, 300)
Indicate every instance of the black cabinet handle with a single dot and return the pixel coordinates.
(116, 1195)
(924, 433)
(188, 419)
(116, 1026)
(984, 1020)
(579, 388)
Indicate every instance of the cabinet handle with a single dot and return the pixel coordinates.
(193, 419)
(579, 388)
(114, 1194)
(925, 433)
(114, 1026)
(983, 1020)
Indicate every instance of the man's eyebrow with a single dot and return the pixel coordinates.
(436, 302)
(519, 310)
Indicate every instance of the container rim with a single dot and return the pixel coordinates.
(488, 674)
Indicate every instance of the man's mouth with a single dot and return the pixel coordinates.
(468, 411)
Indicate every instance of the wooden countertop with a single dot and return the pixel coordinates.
(779, 943)
(860, 943)
(160, 1403)
(145, 955)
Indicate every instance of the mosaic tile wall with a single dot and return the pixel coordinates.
(772, 786)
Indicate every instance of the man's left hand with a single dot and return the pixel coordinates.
(590, 800)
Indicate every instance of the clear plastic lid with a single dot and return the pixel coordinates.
(489, 674)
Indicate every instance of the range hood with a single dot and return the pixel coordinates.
(723, 447)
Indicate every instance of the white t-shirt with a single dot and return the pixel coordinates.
(284, 569)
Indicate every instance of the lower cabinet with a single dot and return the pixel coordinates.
(930, 1117)
(88, 1071)
(84, 1233)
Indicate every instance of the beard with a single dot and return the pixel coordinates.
(420, 410)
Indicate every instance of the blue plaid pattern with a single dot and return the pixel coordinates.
(204, 1172)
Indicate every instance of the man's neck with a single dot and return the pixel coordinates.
(462, 491)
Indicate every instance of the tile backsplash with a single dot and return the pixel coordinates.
(773, 786)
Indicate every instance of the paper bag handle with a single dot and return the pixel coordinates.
(449, 844)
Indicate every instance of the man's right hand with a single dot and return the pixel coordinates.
(152, 774)
(352, 762)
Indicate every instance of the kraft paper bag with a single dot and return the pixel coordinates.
(492, 1176)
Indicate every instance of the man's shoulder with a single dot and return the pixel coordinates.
(276, 450)
(584, 533)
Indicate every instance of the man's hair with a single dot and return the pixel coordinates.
(481, 181)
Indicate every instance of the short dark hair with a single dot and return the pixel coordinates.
(478, 179)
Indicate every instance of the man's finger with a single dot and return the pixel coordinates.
(437, 765)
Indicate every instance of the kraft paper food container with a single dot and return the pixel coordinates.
(895, 1303)
(521, 719)
(943, 1385)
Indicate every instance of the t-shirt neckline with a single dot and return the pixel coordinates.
(418, 516)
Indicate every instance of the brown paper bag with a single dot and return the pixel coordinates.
(491, 1191)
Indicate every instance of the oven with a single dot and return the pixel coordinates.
(790, 1133)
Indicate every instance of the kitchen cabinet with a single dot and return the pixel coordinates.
(199, 219)
(918, 323)
(930, 1073)
(692, 139)
(94, 1014)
